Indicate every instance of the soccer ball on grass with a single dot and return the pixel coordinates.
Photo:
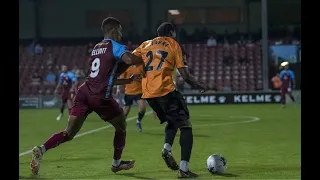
(216, 164)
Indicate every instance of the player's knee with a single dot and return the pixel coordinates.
(143, 110)
(120, 124)
(126, 110)
(186, 129)
(185, 124)
(68, 135)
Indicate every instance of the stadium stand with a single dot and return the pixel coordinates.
(207, 64)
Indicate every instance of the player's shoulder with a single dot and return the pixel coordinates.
(115, 43)
(108, 42)
(173, 42)
(146, 43)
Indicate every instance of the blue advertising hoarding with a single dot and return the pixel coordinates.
(281, 53)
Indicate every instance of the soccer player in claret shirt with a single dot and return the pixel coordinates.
(108, 60)
(287, 83)
(68, 81)
(161, 56)
(133, 92)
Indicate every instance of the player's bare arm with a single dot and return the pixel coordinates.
(127, 81)
(131, 59)
(74, 86)
(122, 67)
(188, 78)
(56, 90)
(122, 81)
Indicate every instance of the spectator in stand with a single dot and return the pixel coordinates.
(51, 78)
(211, 42)
(276, 82)
(36, 79)
(38, 49)
(129, 46)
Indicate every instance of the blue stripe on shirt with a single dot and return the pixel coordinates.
(111, 80)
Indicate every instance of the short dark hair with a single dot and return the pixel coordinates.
(109, 23)
(165, 28)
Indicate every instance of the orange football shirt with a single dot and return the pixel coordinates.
(161, 56)
(133, 88)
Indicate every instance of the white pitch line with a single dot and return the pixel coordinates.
(90, 132)
(250, 120)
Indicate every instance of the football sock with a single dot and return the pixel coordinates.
(61, 109)
(167, 146)
(140, 115)
(43, 149)
(69, 110)
(119, 142)
(186, 142)
(170, 134)
(291, 97)
(116, 163)
(55, 140)
(184, 165)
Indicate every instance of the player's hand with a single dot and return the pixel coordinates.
(135, 77)
(203, 87)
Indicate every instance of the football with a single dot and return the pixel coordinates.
(216, 164)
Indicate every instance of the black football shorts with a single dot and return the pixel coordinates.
(128, 99)
(171, 108)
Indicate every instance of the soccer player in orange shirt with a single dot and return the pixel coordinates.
(133, 92)
(161, 56)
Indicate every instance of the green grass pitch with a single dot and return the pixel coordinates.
(258, 141)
